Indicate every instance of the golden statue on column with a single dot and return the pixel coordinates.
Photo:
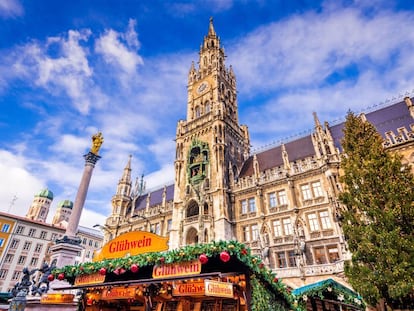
(97, 141)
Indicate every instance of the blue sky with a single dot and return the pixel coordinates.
(71, 68)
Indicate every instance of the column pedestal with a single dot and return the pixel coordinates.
(64, 254)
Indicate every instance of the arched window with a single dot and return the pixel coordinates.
(197, 112)
(207, 107)
(328, 150)
(192, 236)
(192, 209)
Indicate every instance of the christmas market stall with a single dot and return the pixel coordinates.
(327, 295)
(203, 277)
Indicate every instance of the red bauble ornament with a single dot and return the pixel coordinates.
(134, 268)
(61, 276)
(116, 271)
(122, 271)
(81, 268)
(50, 277)
(162, 259)
(244, 251)
(203, 259)
(102, 271)
(275, 280)
(89, 301)
(261, 266)
(224, 256)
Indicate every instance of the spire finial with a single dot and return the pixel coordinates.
(128, 166)
(316, 119)
(211, 27)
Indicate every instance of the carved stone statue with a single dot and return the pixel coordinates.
(97, 141)
(25, 283)
(47, 270)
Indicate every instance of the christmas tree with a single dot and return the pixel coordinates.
(377, 217)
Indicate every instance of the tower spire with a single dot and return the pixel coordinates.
(125, 184)
(211, 31)
(126, 177)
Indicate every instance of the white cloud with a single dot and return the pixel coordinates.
(162, 177)
(131, 36)
(10, 8)
(70, 145)
(305, 49)
(119, 49)
(164, 150)
(65, 70)
(90, 218)
(19, 182)
(328, 62)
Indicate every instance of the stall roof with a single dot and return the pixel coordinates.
(332, 289)
(321, 285)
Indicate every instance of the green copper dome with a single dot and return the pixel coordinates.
(65, 204)
(45, 193)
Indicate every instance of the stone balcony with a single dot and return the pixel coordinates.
(313, 270)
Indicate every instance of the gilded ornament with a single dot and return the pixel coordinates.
(97, 141)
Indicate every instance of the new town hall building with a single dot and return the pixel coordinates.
(281, 202)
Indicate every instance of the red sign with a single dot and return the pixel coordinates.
(176, 269)
(118, 293)
(56, 298)
(85, 279)
(188, 289)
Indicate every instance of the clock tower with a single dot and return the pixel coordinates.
(211, 147)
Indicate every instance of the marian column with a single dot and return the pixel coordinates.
(65, 250)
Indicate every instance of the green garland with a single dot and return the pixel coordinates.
(262, 299)
(262, 277)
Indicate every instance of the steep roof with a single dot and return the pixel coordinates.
(155, 197)
(386, 119)
(296, 149)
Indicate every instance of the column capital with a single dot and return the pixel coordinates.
(91, 159)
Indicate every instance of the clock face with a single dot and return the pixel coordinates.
(202, 87)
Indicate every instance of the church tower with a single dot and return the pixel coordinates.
(210, 149)
(40, 206)
(122, 198)
(62, 214)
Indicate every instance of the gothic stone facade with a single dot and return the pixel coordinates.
(281, 202)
